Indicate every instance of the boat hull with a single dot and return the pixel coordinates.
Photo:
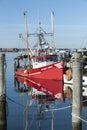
(52, 71)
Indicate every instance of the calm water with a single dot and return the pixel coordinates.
(25, 113)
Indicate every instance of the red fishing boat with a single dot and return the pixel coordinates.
(53, 71)
(42, 65)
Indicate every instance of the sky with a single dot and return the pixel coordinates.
(70, 21)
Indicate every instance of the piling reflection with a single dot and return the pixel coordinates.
(68, 93)
(3, 121)
(77, 126)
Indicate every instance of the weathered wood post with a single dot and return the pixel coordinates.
(2, 93)
(2, 75)
(77, 71)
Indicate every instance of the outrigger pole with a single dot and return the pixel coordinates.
(27, 43)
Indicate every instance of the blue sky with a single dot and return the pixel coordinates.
(70, 21)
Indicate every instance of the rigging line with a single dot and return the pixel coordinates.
(57, 109)
(31, 123)
(74, 115)
(83, 42)
(44, 110)
(15, 102)
(84, 100)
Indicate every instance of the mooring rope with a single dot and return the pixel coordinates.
(53, 109)
(57, 109)
(15, 102)
(74, 115)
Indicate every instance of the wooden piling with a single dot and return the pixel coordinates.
(77, 71)
(2, 74)
(2, 93)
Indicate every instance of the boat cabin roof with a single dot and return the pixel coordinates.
(44, 56)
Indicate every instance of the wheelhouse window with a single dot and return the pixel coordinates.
(52, 58)
(47, 58)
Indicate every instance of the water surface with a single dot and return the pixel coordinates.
(25, 113)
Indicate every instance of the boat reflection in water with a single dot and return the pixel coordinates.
(40, 105)
(43, 96)
(54, 88)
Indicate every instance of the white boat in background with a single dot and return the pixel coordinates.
(70, 82)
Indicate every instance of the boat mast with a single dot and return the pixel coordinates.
(52, 28)
(27, 43)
